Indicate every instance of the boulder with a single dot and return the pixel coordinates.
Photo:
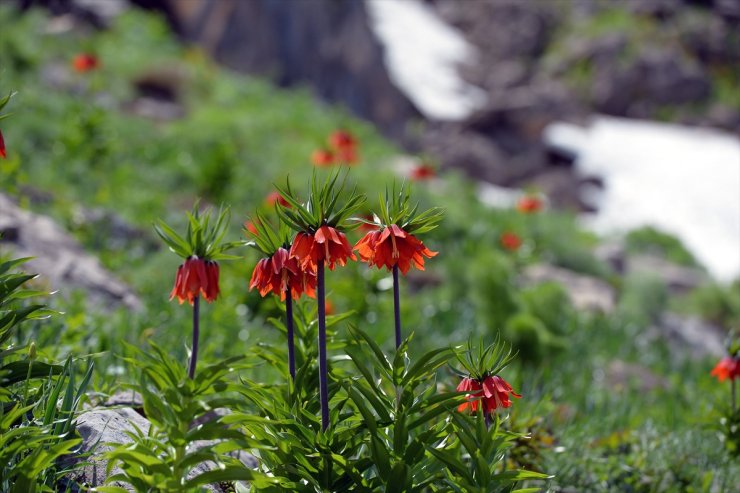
(60, 259)
(585, 292)
(691, 336)
(678, 279)
(97, 427)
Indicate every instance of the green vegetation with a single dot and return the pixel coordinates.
(78, 141)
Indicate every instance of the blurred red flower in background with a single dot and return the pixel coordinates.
(422, 172)
(322, 157)
(279, 271)
(393, 246)
(326, 244)
(728, 368)
(529, 204)
(196, 277)
(85, 62)
(510, 241)
(275, 196)
(2, 146)
(344, 145)
(249, 226)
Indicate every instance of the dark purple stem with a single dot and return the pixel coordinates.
(323, 381)
(289, 325)
(397, 306)
(196, 334)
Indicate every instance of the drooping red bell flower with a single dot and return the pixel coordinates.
(322, 157)
(510, 241)
(393, 246)
(422, 172)
(529, 204)
(344, 146)
(728, 368)
(85, 62)
(492, 394)
(277, 272)
(326, 244)
(2, 146)
(275, 196)
(474, 389)
(196, 277)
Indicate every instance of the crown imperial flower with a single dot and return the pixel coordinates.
(85, 62)
(490, 394)
(510, 241)
(728, 368)
(393, 246)
(279, 272)
(529, 204)
(326, 245)
(196, 277)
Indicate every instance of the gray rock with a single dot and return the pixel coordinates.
(585, 292)
(98, 427)
(59, 258)
(691, 336)
(677, 278)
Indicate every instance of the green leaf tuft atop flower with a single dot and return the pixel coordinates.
(203, 238)
(323, 206)
(396, 208)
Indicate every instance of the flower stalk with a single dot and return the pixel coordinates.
(289, 326)
(196, 337)
(396, 306)
(323, 378)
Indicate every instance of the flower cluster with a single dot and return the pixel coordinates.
(279, 273)
(4, 101)
(342, 149)
(393, 246)
(489, 394)
(85, 62)
(485, 389)
(529, 204)
(391, 241)
(728, 368)
(196, 277)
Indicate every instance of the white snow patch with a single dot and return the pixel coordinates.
(683, 180)
(422, 56)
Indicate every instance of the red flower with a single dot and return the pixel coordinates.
(510, 241)
(344, 145)
(492, 394)
(328, 307)
(529, 204)
(473, 387)
(275, 196)
(341, 140)
(196, 277)
(249, 225)
(278, 272)
(422, 172)
(85, 62)
(727, 368)
(2, 146)
(347, 156)
(392, 246)
(326, 244)
(322, 157)
(367, 227)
